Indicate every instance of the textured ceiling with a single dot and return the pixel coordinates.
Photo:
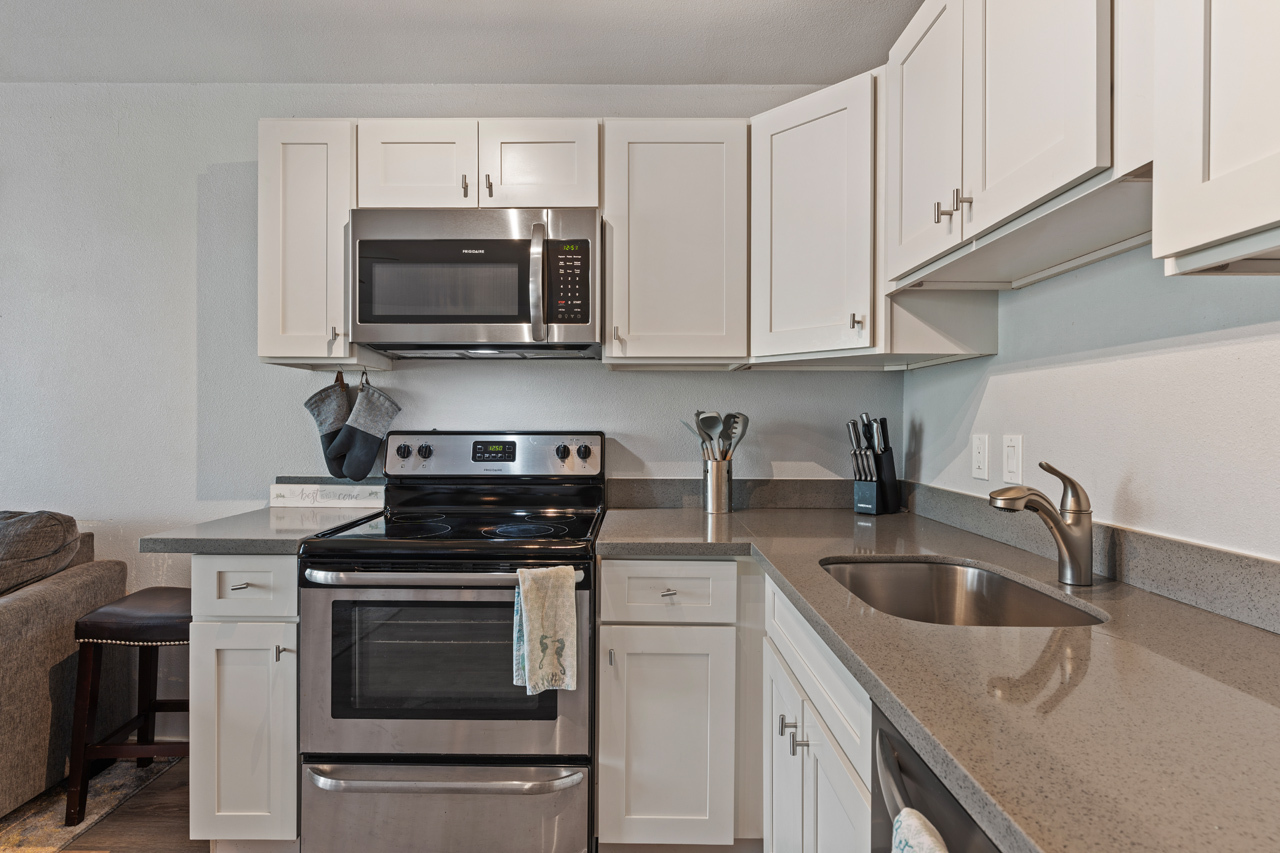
(431, 41)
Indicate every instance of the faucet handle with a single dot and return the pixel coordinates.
(1074, 498)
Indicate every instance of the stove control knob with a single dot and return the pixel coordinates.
(403, 451)
(562, 452)
(424, 450)
(584, 451)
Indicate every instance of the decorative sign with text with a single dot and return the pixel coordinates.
(300, 494)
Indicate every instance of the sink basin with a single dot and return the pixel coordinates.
(948, 594)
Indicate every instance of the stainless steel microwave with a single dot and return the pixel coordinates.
(497, 283)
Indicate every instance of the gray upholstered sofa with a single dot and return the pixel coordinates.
(48, 579)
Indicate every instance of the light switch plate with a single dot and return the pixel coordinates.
(980, 460)
(1012, 458)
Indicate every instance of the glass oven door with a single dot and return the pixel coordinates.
(428, 671)
(443, 282)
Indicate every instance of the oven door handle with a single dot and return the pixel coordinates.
(327, 782)
(406, 579)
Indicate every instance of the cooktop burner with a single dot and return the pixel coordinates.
(524, 531)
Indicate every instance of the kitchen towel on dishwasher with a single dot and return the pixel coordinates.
(912, 833)
(545, 653)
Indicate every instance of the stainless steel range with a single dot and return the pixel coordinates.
(412, 733)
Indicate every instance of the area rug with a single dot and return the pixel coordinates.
(37, 825)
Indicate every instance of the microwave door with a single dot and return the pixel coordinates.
(537, 266)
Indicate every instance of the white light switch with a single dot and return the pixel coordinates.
(1012, 458)
(980, 465)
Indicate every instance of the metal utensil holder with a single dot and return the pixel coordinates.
(717, 485)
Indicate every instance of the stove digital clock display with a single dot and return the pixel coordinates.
(484, 451)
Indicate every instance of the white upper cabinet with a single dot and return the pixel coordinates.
(539, 162)
(1037, 103)
(813, 221)
(306, 189)
(418, 163)
(1217, 128)
(675, 213)
(924, 135)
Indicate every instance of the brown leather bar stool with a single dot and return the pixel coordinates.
(149, 618)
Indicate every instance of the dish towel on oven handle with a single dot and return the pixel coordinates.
(545, 651)
(912, 833)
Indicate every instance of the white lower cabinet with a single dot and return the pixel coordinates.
(666, 734)
(815, 801)
(244, 741)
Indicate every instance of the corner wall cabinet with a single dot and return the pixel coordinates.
(306, 189)
(1217, 188)
(675, 225)
(447, 162)
(244, 698)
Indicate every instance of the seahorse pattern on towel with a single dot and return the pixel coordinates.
(545, 608)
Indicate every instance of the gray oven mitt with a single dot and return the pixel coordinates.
(362, 435)
(330, 407)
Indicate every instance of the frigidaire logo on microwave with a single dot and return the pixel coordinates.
(473, 251)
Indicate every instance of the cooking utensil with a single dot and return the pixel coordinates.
(862, 470)
(726, 434)
(711, 423)
(740, 424)
(706, 434)
(877, 437)
(706, 451)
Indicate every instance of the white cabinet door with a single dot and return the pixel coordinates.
(837, 802)
(813, 221)
(526, 162)
(417, 162)
(1037, 103)
(783, 771)
(244, 736)
(923, 135)
(666, 751)
(1217, 139)
(306, 189)
(675, 212)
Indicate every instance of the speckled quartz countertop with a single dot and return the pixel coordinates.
(272, 530)
(1165, 735)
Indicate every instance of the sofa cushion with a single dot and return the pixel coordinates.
(34, 545)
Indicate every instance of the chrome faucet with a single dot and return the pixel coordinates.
(1071, 526)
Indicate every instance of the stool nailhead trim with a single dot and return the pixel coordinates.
(123, 643)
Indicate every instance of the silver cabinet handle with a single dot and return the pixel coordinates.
(890, 776)
(610, 657)
(797, 744)
(957, 199)
(489, 183)
(854, 322)
(327, 779)
(783, 725)
(464, 184)
(407, 579)
(615, 334)
(938, 212)
(537, 325)
(279, 651)
(239, 586)
(668, 592)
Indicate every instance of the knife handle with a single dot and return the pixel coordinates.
(884, 433)
(855, 440)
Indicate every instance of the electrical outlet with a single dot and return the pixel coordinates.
(979, 458)
(1012, 458)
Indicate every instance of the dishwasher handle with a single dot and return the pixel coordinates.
(890, 777)
(328, 782)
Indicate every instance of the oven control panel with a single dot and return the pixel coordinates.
(454, 454)
(568, 281)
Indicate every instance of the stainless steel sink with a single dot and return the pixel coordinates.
(948, 594)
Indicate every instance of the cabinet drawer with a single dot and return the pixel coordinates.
(668, 591)
(244, 587)
(833, 691)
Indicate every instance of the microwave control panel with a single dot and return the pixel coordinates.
(568, 281)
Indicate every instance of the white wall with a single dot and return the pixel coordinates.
(1160, 395)
(132, 396)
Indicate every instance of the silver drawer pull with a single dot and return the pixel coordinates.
(240, 586)
(668, 592)
(797, 744)
(783, 725)
(407, 579)
(610, 657)
(279, 651)
(329, 781)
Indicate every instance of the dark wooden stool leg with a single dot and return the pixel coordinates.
(87, 678)
(148, 674)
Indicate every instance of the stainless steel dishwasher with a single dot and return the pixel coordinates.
(900, 777)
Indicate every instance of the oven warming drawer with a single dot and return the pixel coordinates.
(403, 808)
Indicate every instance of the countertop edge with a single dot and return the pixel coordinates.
(209, 545)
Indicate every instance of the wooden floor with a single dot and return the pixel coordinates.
(152, 821)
